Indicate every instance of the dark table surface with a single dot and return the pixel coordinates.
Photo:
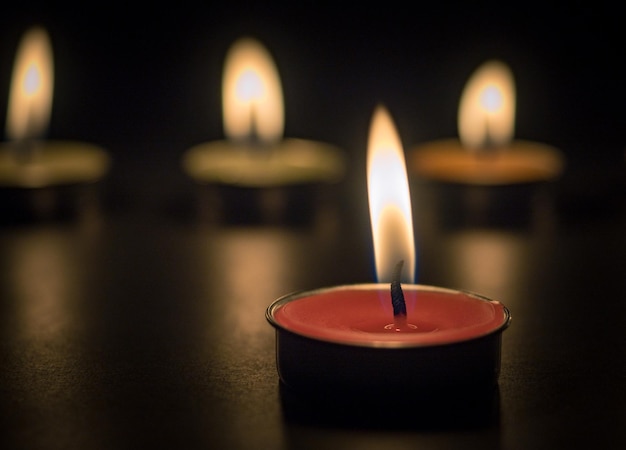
(140, 323)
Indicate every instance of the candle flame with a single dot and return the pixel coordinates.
(30, 97)
(389, 199)
(487, 108)
(252, 94)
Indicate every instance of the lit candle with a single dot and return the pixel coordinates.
(27, 160)
(255, 153)
(392, 335)
(486, 153)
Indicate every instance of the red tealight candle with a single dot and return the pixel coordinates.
(344, 339)
(387, 337)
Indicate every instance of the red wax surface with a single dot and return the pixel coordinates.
(358, 315)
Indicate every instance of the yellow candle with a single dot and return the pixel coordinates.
(486, 153)
(26, 160)
(53, 163)
(255, 153)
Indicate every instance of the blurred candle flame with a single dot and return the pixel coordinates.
(252, 94)
(389, 199)
(487, 108)
(30, 97)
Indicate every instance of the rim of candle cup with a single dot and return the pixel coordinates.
(283, 300)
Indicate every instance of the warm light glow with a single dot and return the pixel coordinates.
(389, 199)
(487, 109)
(487, 261)
(30, 98)
(252, 94)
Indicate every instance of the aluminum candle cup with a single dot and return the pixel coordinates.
(280, 181)
(44, 179)
(345, 339)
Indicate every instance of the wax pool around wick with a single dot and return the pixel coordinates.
(519, 162)
(358, 314)
(288, 162)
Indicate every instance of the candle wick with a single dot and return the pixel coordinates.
(255, 146)
(253, 135)
(397, 296)
(490, 147)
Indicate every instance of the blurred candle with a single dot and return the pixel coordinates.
(255, 153)
(27, 160)
(486, 153)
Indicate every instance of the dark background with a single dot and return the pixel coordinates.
(145, 81)
(137, 323)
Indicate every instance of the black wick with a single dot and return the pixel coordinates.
(397, 296)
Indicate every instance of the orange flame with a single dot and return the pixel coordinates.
(389, 199)
(30, 97)
(487, 107)
(252, 93)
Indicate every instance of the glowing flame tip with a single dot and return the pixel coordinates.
(487, 108)
(389, 199)
(30, 97)
(252, 93)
